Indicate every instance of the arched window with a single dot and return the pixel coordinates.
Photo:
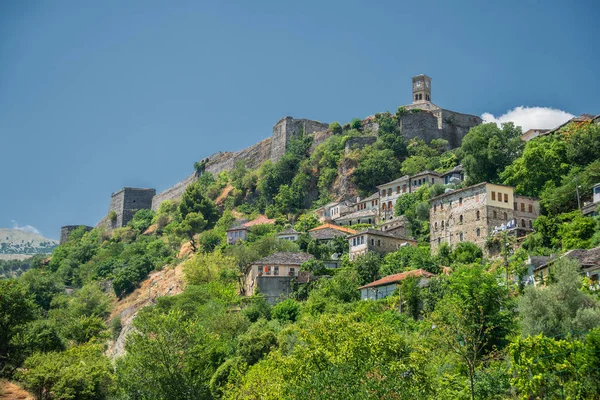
(478, 215)
(478, 232)
(460, 201)
(434, 207)
(523, 223)
(460, 235)
(383, 206)
(460, 219)
(416, 97)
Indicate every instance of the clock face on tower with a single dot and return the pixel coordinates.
(427, 84)
(418, 84)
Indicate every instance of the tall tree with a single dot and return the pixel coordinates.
(488, 149)
(194, 201)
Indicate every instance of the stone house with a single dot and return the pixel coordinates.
(387, 285)
(375, 241)
(272, 276)
(332, 210)
(359, 217)
(454, 176)
(240, 231)
(424, 178)
(389, 193)
(288, 234)
(397, 226)
(368, 203)
(327, 232)
(589, 208)
(473, 213)
(588, 259)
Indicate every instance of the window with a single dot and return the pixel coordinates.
(505, 217)
(267, 270)
(522, 207)
(523, 223)
(389, 193)
(362, 240)
(460, 219)
(390, 207)
(478, 215)
(460, 201)
(460, 235)
(495, 215)
(439, 240)
(506, 197)
(530, 208)
(530, 224)
(276, 270)
(372, 242)
(383, 193)
(516, 208)
(378, 242)
(441, 206)
(404, 188)
(434, 207)
(353, 241)
(493, 195)
(416, 97)
(435, 226)
(477, 198)
(478, 231)
(398, 189)
(442, 224)
(292, 271)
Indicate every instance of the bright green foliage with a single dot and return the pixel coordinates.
(194, 201)
(82, 372)
(544, 367)
(336, 356)
(375, 167)
(142, 220)
(306, 222)
(192, 224)
(168, 354)
(561, 306)
(287, 310)
(565, 231)
(335, 127)
(407, 258)
(356, 123)
(563, 198)
(467, 253)
(367, 267)
(17, 308)
(473, 318)
(42, 286)
(258, 341)
(203, 268)
(487, 150)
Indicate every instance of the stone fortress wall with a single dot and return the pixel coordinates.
(428, 123)
(66, 230)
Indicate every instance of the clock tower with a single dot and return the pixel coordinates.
(421, 89)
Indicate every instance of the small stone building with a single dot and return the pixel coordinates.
(288, 234)
(240, 231)
(65, 231)
(387, 285)
(471, 214)
(376, 241)
(272, 276)
(328, 232)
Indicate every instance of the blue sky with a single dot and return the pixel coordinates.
(95, 95)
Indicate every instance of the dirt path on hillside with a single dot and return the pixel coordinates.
(10, 391)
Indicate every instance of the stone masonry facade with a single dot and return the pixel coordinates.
(125, 203)
(288, 128)
(471, 214)
(66, 230)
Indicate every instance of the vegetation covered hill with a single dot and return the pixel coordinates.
(22, 242)
(469, 334)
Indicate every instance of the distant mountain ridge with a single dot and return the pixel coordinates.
(21, 242)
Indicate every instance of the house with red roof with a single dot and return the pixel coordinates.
(387, 285)
(240, 231)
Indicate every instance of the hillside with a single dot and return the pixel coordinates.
(18, 244)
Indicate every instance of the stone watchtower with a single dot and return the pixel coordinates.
(126, 202)
(421, 85)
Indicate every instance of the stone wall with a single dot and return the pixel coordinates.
(456, 125)
(287, 128)
(127, 201)
(423, 125)
(274, 288)
(173, 193)
(65, 231)
(359, 142)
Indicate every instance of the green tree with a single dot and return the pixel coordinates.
(192, 224)
(194, 201)
(487, 150)
(287, 310)
(142, 220)
(17, 308)
(561, 306)
(472, 318)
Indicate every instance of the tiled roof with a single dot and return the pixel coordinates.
(398, 278)
(336, 227)
(537, 261)
(401, 179)
(581, 118)
(426, 172)
(458, 168)
(587, 258)
(288, 231)
(285, 258)
(370, 198)
(327, 234)
(358, 214)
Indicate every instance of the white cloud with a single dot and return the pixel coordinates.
(27, 228)
(531, 117)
